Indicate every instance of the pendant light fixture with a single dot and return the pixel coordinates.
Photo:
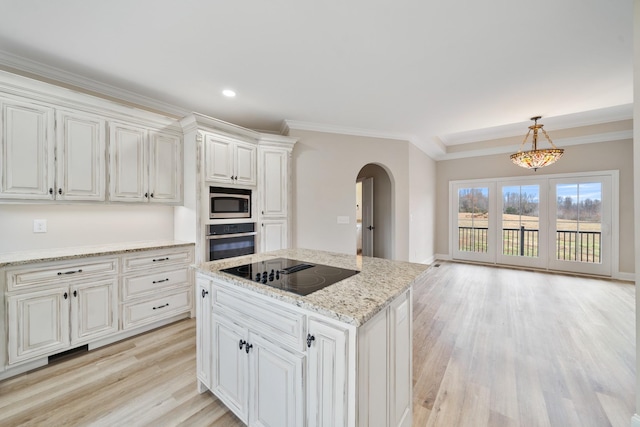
(536, 158)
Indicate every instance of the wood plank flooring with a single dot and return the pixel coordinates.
(492, 347)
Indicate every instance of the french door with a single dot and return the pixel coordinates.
(555, 222)
(474, 220)
(581, 224)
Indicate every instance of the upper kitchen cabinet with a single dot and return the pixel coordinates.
(28, 161)
(39, 163)
(145, 166)
(58, 145)
(229, 161)
(80, 157)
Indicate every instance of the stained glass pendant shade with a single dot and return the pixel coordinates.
(536, 158)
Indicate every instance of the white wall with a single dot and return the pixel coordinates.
(72, 225)
(325, 167)
(610, 155)
(422, 206)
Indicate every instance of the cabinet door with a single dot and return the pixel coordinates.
(274, 235)
(245, 164)
(400, 363)
(218, 160)
(38, 324)
(273, 183)
(27, 152)
(203, 332)
(128, 164)
(80, 157)
(275, 378)
(94, 310)
(165, 168)
(230, 365)
(327, 374)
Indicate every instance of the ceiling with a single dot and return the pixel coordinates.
(437, 73)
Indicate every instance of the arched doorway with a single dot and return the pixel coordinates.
(374, 212)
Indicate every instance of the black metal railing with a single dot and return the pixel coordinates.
(581, 246)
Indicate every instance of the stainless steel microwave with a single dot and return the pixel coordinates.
(229, 203)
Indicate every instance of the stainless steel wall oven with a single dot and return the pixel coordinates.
(230, 240)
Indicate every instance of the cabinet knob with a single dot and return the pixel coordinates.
(204, 293)
(51, 191)
(66, 295)
(151, 195)
(242, 343)
(310, 339)
(75, 294)
(248, 347)
(146, 195)
(60, 191)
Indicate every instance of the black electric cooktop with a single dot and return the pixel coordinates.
(291, 275)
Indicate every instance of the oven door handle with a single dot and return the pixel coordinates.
(229, 236)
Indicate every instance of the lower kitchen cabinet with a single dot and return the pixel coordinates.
(259, 380)
(55, 306)
(203, 334)
(277, 364)
(48, 321)
(38, 324)
(327, 372)
(273, 235)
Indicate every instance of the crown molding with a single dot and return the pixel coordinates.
(567, 121)
(561, 143)
(433, 149)
(37, 70)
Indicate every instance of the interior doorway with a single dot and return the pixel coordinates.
(374, 212)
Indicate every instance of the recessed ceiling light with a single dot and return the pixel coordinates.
(228, 93)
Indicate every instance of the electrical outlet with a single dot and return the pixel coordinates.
(39, 225)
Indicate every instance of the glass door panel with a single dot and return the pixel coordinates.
(521, 235)
(580, 240)
(473, 219)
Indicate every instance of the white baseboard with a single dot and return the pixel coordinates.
(620, 275)
(443, 257)
(635, 421)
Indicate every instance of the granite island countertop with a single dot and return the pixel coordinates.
(354, 300)
(59, 254)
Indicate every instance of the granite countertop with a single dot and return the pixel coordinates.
(354, 300)
(58, 254)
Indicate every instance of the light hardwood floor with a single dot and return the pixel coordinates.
(492, 347)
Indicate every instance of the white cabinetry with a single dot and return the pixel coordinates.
(27, 159)
(274, 159)
(144, 165)
(80, 157)
(273, 234)
(327, 373)
(229, 161)
(156, 285)
(257, 358)
(41, 164)
(56, 305)
(203, 333)
(276, 364)
(53, 146)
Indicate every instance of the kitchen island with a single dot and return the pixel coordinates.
(339, 356)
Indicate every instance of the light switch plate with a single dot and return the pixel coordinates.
(343, 220)
(39, 225)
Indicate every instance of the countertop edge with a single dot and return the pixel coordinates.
(11, 259)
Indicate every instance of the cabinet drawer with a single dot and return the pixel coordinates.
(136, 286)
(157, 259)
(152, 310)
(266, 317)
(56, 272)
